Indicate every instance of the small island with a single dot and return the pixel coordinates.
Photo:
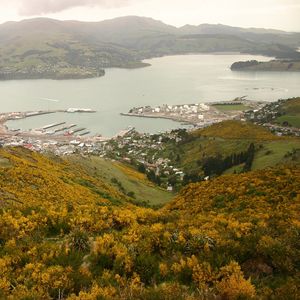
(269, 66)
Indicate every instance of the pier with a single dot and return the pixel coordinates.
(53, 125)
(65, 128)
(124, 132)
(84, 133)
(77, 130)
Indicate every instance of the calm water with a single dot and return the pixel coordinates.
(174, 80)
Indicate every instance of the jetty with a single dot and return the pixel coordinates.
(124, 132)
(39, 113)
(53, 125)
(84, 133)
(65, 128)
(77, 130)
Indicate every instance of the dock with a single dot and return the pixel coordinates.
(65, 128)
(124, 132)
(38, 113)
(53, 125)
(77, 130)
(84, 133)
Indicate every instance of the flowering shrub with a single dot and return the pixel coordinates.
(60, 239)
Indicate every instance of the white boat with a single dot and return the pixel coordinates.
(80, 110)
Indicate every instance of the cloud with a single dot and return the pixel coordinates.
(42, 7)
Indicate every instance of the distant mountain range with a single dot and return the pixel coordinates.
(48, 48)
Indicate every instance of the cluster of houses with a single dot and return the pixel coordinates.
(267, 115)
(283, 130)
(131, 147)
(146, 150)
(57, 147)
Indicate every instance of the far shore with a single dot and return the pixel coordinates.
(89, 75)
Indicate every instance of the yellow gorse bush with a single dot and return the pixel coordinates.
(67, 235)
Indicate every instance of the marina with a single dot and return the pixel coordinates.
(50, 130)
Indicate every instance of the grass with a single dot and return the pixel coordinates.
(274, 153)
(290, 110)
(293, 120)
(271, 154)
(128, 179)
(231, 107)
(229, 138)
(235, 169)
(236, 130)
(200, 148)
(291, 106)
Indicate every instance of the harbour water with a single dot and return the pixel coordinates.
(172, 80)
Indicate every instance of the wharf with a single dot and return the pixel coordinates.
(77, 130)
(65, 128)
(52, 125)
(124, 132)
(84, 133)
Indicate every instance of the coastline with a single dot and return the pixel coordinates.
(91, 73)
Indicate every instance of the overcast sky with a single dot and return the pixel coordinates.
(280, 14)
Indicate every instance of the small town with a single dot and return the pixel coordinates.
(131, 146)
(199, 114)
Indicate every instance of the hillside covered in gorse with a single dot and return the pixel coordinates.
(65, 234)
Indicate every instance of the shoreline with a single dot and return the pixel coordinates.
(143, 63)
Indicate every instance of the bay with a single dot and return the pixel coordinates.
(169, 80)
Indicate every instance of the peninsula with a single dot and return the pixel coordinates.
(199, 114)
(273, 65)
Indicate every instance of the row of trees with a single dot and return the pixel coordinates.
(217, 165)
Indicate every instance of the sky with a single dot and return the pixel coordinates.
(278, 14)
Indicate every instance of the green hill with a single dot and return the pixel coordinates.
(284, 112)
(236, 130)
(48, 48)
(289, 113)
(230, 146)
(125, 179)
